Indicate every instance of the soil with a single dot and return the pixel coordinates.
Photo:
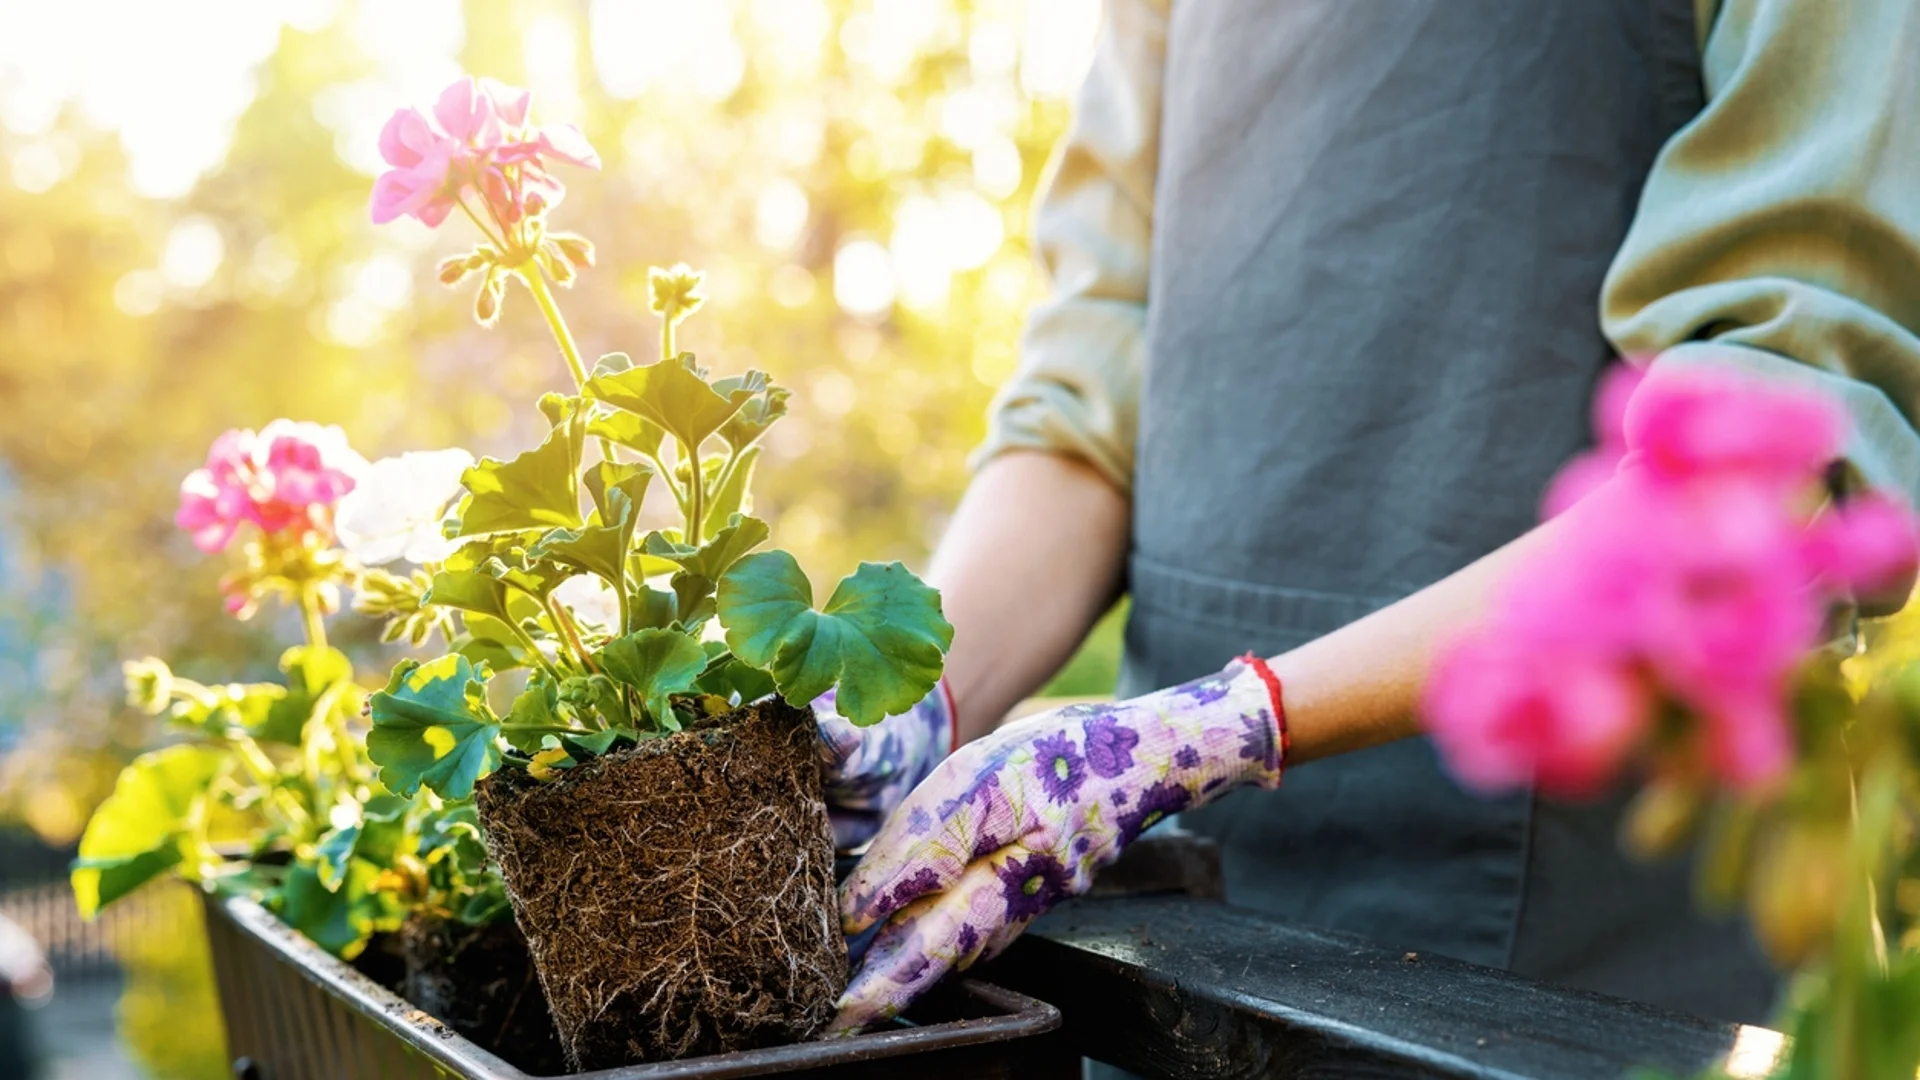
(678, 897)
(479, 981)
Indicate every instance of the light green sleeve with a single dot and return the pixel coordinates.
(1779, 231)
(1077, 388)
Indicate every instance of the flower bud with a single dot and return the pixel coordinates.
(535, 203)
(1663, 816)
(453, 269)
(149, 684)
(577, 250)
(676, 291)
(486, 302)
(1793, 898)
(558, 266)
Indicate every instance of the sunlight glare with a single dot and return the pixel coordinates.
(863, 278)
(192, 253)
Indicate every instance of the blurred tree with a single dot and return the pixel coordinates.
(853, 175)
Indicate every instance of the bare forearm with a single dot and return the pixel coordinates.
(1360, 685)
(1033, 557)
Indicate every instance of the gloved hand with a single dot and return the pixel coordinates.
(1018, 820)
(867, 772)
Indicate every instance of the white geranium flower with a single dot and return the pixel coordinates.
(394, 511)
(591, 601)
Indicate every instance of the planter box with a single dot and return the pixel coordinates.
(293, 1013)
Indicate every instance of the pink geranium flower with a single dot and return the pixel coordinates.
(283, 479)
(477, 141)
(1695, 569)
(1505, 716)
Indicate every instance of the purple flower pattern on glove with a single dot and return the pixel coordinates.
(1026, 816)
(1109, 746)
(1062, 770)
(866, 772)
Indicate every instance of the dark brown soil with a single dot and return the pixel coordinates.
(678, 897)
(479, 981)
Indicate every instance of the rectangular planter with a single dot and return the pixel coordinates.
(293, 1012)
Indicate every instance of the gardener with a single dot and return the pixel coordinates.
(1326, 284)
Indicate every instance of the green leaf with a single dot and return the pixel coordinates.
(539, 703)
(656, 663)
(331, 855)
(598, 548)
(729, 678)
(137, 833)
(429, 728)
(311, 671)
(491, 642)
(880, 638)
(469, 590)
(340, 919)
(651, 608)
(627, 478)
(595, 743)
(730, 497)
(671, 396)
(711, 559)
(636, 433)
(537, 490)
(692, 600)
(766, 404)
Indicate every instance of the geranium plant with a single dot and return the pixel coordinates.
(269, 792)
(552, 570)
(652, 749)
(1681, 633)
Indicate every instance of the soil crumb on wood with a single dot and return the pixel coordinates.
(678, 897)
(479, 981)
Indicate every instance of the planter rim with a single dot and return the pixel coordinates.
(1021, 1016)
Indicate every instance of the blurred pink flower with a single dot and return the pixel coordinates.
(1585, 473)
(1506, 715)
(1694, 569)
(284, 478)
(1686, 422)
(478, 140)
(1865, 544)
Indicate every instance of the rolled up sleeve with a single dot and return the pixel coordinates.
(1076, 390)
(1779, 231)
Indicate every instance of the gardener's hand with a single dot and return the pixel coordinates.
(1020, 819)
(867, 772)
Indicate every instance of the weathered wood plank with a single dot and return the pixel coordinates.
(1184, 989)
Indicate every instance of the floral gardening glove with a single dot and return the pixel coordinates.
(867, 772)
(1016, 821)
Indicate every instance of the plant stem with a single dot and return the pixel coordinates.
(696, 496)
(573, 637)
(310, 614)
(562, 729)
(536, 280)
(533, 649)
(482, 226)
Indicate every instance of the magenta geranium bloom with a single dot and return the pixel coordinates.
(477, 141)
(1697, 572)
(282, 479)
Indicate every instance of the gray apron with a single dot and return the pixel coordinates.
(1380, 232)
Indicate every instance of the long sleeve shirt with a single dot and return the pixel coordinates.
(1779, 231)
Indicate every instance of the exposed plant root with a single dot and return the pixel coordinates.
(678, 898)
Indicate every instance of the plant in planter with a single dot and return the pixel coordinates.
(269, 793)
(649, 780)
